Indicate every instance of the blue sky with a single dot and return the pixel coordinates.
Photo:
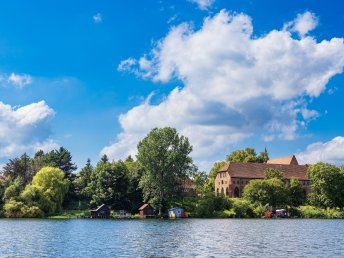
(96, 76)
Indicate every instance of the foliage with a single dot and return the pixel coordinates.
(242, 208)
(327, 188)
(19, 168)
(134, 193)
(248, 155)
(208, 205)
(61, 159)
(164, 157)
(271, 191)
(311, 212)
(13, 190)
(17, 209)
(52, 186)
(270, 173)
(296, 194)
(83, 181)
(109, 184)
(201, 182)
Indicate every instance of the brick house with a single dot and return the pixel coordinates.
(232, 178)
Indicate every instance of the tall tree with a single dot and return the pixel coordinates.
(134, 194)
(327, 187)
(19, 167)
(61, 159)
(109, 184)
(164, 156)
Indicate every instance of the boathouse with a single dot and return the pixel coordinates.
(146, 211)
(102, 212)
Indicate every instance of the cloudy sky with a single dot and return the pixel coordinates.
(96, 76)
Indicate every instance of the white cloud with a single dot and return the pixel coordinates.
(303, 23)
(25, 129)
(203, 4)
(97, 18)
(235, 85)
(330, 152)
(19, 80)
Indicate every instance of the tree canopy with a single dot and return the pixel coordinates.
(327, 188)
(248, 155)
(164, 157)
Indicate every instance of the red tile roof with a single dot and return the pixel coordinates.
(256, 170)
(287, 160)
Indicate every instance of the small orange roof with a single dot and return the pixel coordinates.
(144, 206)
(287, 160)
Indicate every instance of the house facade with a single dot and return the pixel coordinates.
(233, 177)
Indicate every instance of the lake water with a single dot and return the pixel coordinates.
(165, 238)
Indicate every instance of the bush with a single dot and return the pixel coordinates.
(15, 209)
(311, 212)
(242, 208)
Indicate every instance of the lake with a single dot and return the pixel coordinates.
(168, 238)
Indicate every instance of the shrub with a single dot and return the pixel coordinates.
(242, 208)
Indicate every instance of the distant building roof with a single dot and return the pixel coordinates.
(256, 170)
(287, 160)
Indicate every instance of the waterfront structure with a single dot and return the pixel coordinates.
(146, 211)
(176, 212)
(232, 178)
(102, 212)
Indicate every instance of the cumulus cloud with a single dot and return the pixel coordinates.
(203, 4)
(25, 129)
(303, 23)
(330, 152)
(19, 80)
(97, 18)
(234, 85)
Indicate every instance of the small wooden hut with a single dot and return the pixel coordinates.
(102, 212)
(146, 211)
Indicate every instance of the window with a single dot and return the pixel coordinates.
(222, 181)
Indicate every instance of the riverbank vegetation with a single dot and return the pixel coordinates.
(48, 184)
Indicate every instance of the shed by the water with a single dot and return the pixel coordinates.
(102, 212)
(177, 212)
(146, 210)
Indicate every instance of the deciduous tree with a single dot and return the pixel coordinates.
(164, 156)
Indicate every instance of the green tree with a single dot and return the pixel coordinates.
(263, 156)
(272, 191)
(201, 181)
(134, 195)
(327, 187)
(84, 179)
(51, 184)
(270, 173)
(61, 159)
(13, 190)
(109, 184)
(296, 194)
(248, 155)
(164, 156)
(19, 167)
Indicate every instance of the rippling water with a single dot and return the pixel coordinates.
(164, 238)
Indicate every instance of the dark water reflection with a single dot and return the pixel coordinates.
(181, 238)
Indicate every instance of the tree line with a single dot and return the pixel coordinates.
(48, 183)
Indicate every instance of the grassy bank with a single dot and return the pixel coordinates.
(71, 214)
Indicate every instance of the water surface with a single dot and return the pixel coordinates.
(165, 238)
